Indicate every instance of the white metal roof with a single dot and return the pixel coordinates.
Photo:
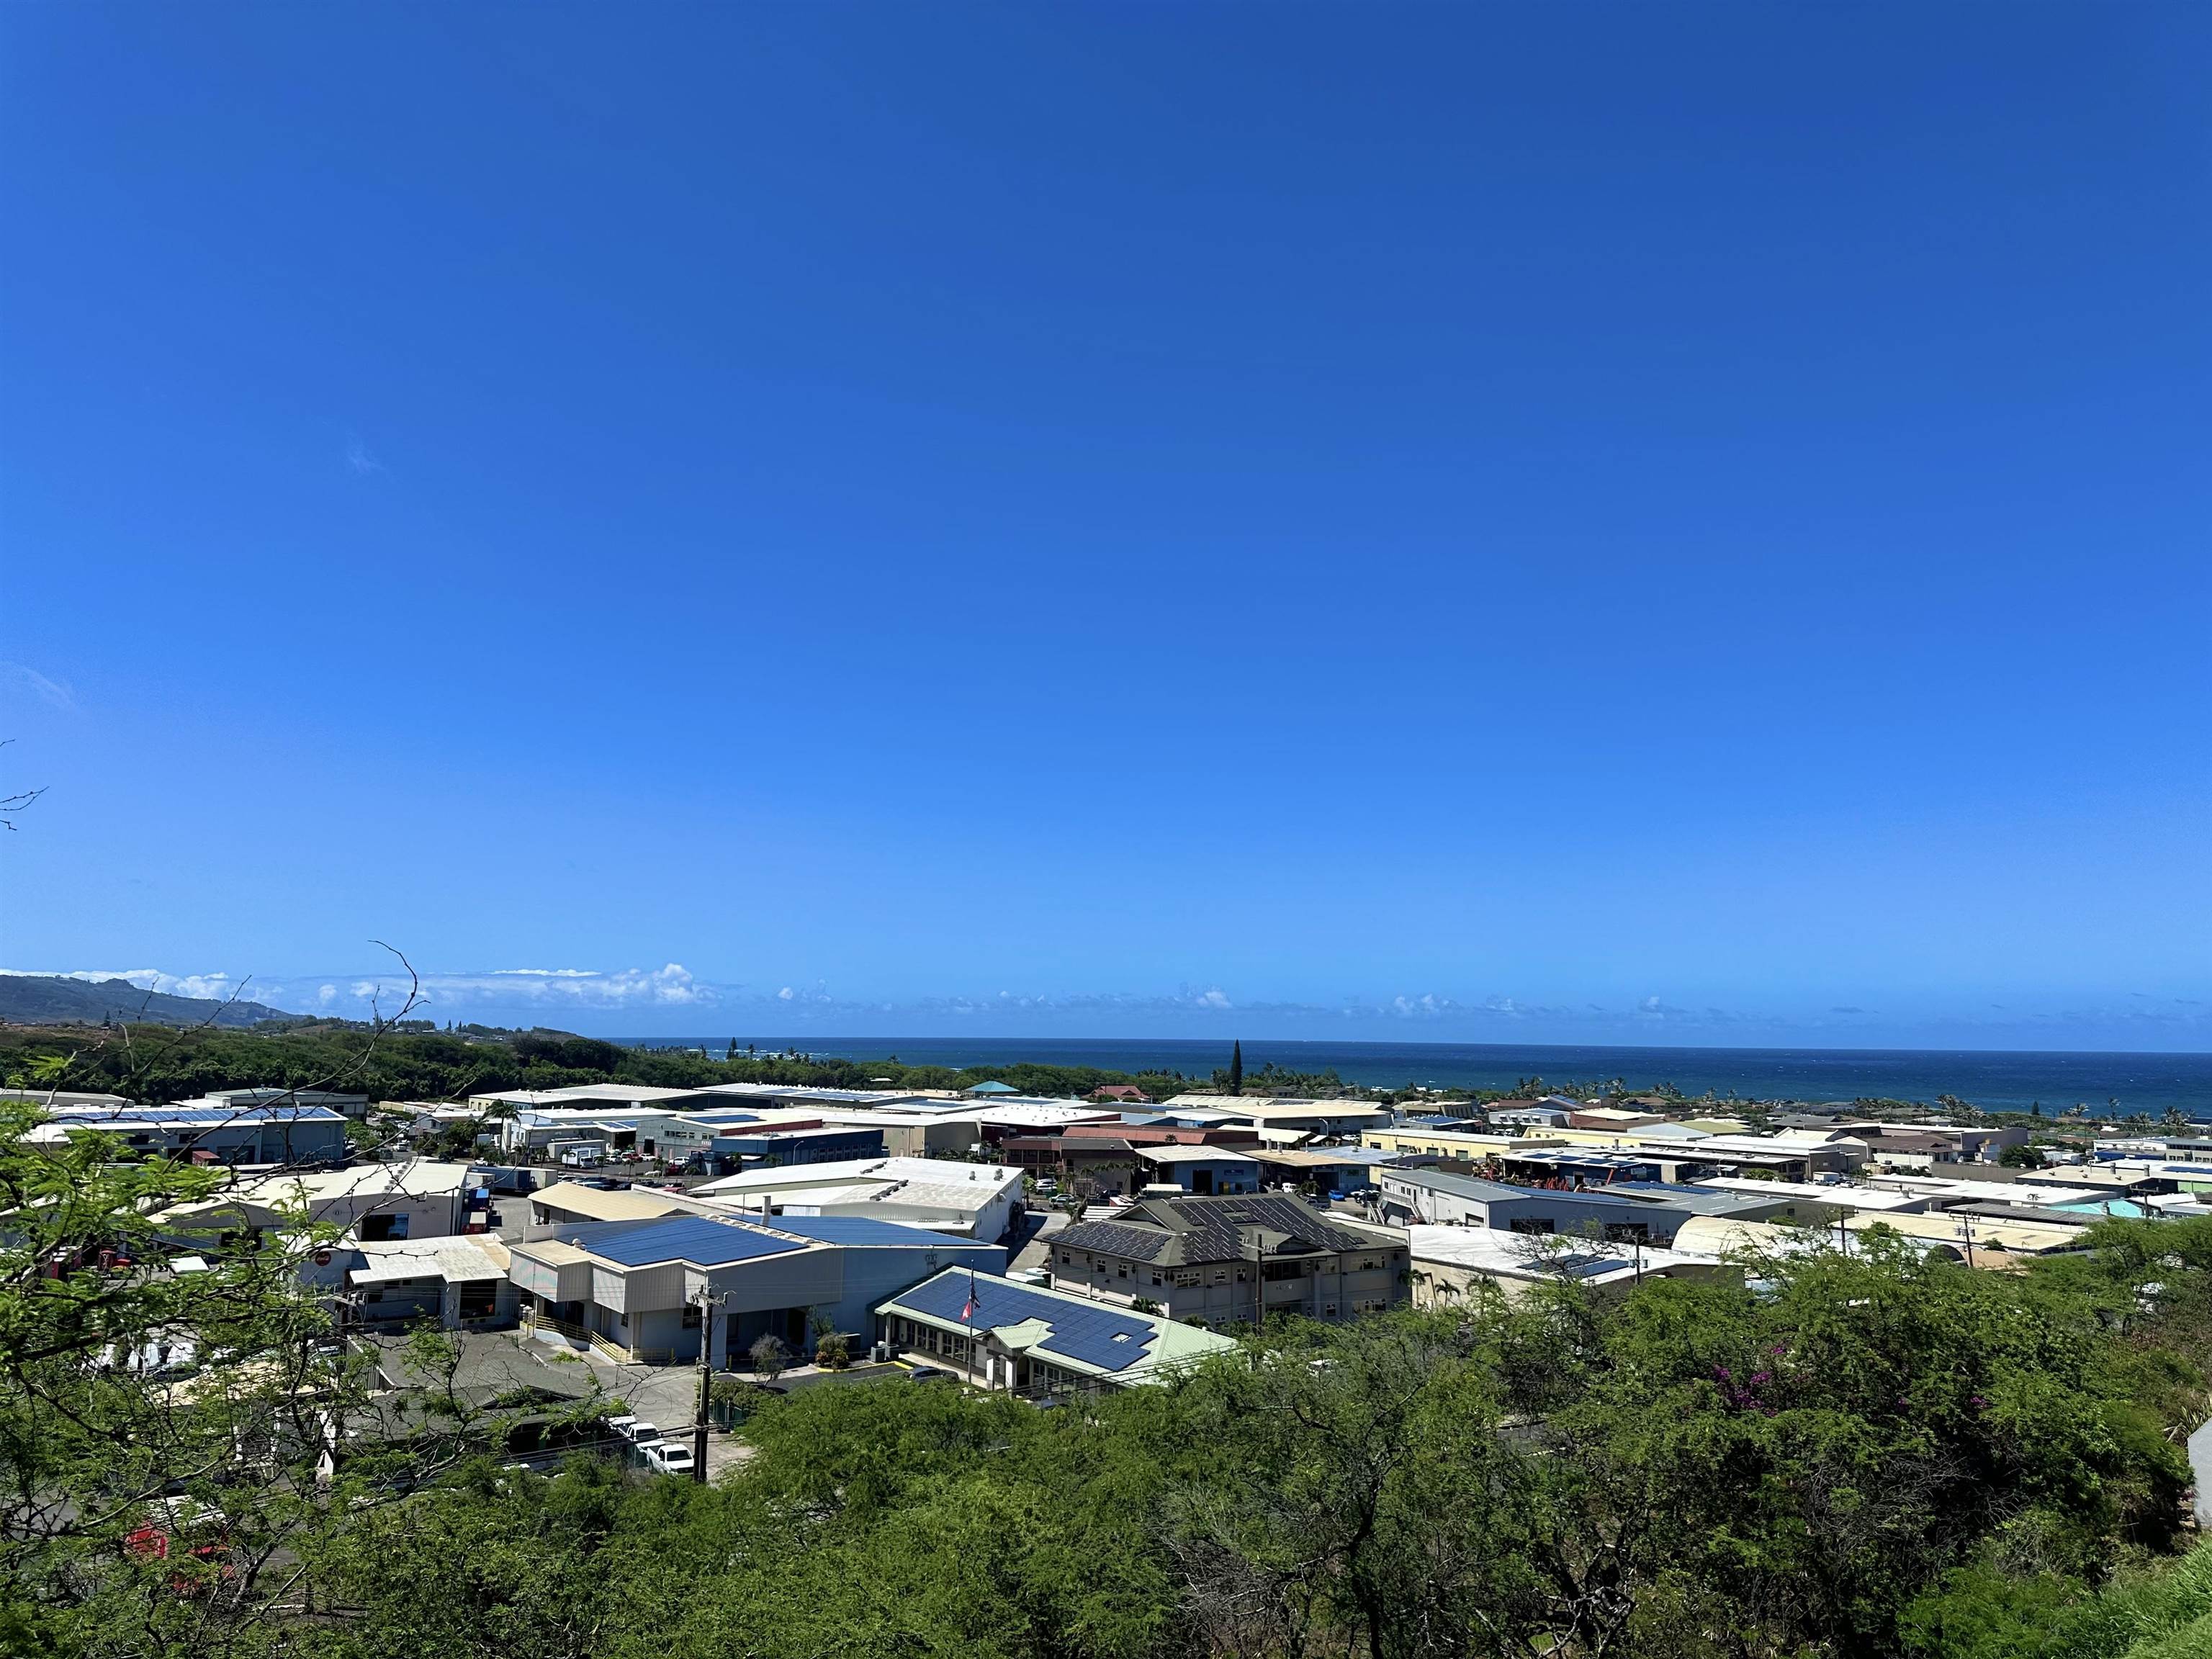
(1192, 1155)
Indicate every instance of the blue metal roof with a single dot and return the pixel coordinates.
(705, 1240)
(1087, 1332)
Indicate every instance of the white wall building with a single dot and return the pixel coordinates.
(971, 1200)
(414, 1199)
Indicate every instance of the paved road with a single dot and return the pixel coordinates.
(1042, 1223)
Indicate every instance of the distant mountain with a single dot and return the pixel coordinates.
(50, 999)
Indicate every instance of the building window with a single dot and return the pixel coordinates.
(1120, 1270)
(1156, 1279)
(1221, 1275)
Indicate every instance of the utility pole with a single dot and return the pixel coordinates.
(706, 1380)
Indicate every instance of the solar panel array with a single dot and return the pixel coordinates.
(1270, 1210)
(1113, 1238)
(1088, 1333)
(700, 1239)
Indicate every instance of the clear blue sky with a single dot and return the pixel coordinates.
(1647, 523)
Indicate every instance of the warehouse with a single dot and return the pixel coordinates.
(418, 1198)
(651, 1290)
(1648, 1210)
(296, 1135)
(974, 1201)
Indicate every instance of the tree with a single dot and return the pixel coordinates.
(770, 1357)
(1237, 1068)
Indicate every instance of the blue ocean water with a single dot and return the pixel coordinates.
(2003, 1081)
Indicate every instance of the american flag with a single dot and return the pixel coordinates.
(967, 1308)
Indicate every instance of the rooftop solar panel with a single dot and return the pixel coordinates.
(702, 1239)
(1115, 1238)
(1092, 1333)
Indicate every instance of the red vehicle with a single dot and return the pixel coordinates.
(155, 1543)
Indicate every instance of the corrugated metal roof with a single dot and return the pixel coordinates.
(859, 1230)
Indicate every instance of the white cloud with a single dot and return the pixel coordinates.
(200, 985)
(55, 694)
(360, 460)
(784, 995)
(327, 995)
(146, 978)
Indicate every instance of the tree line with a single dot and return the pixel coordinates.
(407, 1062)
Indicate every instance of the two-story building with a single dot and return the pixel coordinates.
(1226, 1260)
(654, 1291)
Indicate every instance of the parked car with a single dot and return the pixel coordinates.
(667, 1457)
(928, 1374)
(635, 1430)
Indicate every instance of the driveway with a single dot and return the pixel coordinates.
(1039, 1227)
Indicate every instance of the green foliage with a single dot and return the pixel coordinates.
(175, 1444)
(1877, 1455)
(406, 1064)
(2159, 1611)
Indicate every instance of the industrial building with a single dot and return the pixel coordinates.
(414, 1199)
(1650, 1212)
(460, 1283)
(1321, 1168)
(1453, 1265)
(972, 1200)
(1204, 1171)
(299, 1136)
(653, 1290)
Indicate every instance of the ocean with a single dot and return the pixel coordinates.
(1997, 1081)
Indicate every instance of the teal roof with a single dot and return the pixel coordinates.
(993, 1089)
